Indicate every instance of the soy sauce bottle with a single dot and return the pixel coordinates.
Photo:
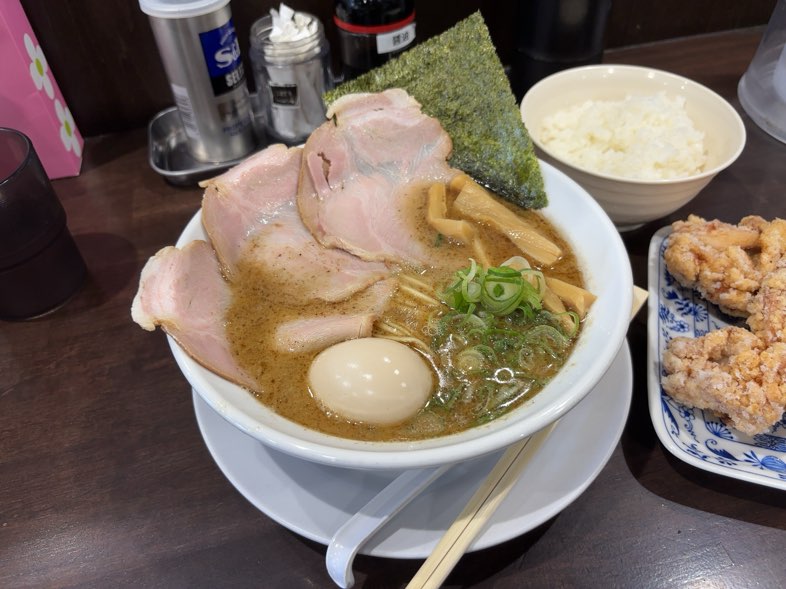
(370, 32)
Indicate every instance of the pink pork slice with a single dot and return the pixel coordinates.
(184, 292)
(356, 170)
(250, 211)
(311, 334)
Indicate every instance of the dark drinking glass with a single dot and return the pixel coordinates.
(40, 265)
(553, 35)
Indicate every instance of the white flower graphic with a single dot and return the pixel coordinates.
(67, 129)
(39, 70)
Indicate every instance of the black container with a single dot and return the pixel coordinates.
(553, 35)
(371, 32)
(40, 265)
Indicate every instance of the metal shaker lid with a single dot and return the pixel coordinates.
(180, 8)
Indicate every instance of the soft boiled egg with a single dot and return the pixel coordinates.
(373, 380)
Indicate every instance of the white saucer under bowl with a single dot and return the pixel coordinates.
(314, 500)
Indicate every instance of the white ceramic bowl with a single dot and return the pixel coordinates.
(628, 202)
(607, 273)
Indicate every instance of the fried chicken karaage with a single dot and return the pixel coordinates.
(737, 373)
(725, 263)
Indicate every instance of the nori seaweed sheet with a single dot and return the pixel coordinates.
(458, 78)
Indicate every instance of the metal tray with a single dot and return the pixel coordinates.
(169, 156)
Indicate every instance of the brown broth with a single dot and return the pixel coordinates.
(261, 303)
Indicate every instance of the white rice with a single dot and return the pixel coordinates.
(640, 137)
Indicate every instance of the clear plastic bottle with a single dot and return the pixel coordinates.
(762, 89)
(372, 31)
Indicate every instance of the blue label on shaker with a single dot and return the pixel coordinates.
(222, 56)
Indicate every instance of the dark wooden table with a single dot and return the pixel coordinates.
(105, 480)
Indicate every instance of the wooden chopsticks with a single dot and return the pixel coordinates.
(478, 510)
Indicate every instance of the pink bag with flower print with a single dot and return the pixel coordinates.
(30, 100)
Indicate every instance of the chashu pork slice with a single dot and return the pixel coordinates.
(356, 167)
(251, 217)
(184, 292)
(240, 201)
(249, 212)
(315, 333)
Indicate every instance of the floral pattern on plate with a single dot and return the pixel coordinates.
(695, 436)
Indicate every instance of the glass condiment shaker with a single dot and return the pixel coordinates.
(371, 32)
(291, 77)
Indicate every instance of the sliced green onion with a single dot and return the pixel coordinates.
(547, 338)
(498, 339)
(497, 290)
(470, 360)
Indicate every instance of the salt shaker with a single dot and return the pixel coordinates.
(290, 60)
(201, 56)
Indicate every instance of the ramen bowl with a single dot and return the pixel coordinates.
(606, 271)
(632, 202)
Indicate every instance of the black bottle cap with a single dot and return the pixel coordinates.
(373, 12)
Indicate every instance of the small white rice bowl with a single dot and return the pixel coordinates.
(607, 273)
(642, 142)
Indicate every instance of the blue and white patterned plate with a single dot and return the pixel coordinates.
(695, 436)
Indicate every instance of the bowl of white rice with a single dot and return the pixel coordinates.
(642, 142)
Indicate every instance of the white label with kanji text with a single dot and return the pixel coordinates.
(396, 40)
